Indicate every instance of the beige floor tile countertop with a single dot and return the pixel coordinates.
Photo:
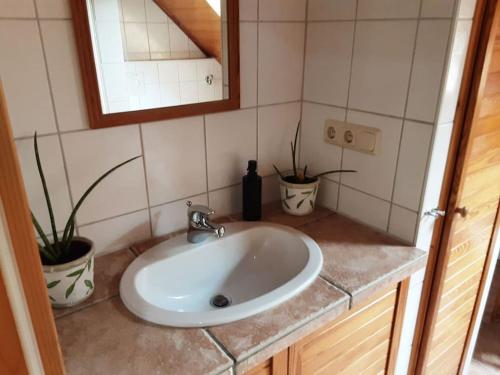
(102, 337)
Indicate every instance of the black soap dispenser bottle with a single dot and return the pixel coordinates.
(252, 193)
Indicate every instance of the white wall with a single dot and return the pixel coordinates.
(395, 65)
(199, 158)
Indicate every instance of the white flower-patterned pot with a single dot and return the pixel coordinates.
(71, 283)
(298, 199)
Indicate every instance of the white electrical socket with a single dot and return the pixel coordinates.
(356, 137)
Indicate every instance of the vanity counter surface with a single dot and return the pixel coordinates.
(102, 336)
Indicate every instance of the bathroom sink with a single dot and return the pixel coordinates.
(254, 267)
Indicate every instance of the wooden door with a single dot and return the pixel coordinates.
(19, 229)
(472, 213)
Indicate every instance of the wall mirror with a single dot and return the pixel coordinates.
(149, 60)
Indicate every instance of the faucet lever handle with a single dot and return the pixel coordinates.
(198, 210)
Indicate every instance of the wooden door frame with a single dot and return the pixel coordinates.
(477, 61)
(24, 248)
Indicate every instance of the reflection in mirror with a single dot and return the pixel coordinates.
(159, 53)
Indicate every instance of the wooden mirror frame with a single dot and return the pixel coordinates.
(98, 119)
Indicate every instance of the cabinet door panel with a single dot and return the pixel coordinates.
(357, 343)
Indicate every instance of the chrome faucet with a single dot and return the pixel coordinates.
(199, 227)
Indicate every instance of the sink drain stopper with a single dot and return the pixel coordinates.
(220, 301)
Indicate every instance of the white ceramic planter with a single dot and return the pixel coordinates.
(298, 199)
(71, 283)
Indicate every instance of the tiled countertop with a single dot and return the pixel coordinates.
(102, 337)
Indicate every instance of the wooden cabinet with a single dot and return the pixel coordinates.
(362, 341)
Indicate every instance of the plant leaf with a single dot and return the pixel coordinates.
(300, 203)
(76, 273)
(277, 170)
(89, 284)
(286, 204)
(47, 196)
(294, 149)
(53, 283)
(70, 290)
(307, 192)
(311, 203)
(334, 171)
(46, 250)
(89, 263)
(52, 298)
(87, 192)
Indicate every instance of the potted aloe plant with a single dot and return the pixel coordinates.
(67, 260)
(298, 189)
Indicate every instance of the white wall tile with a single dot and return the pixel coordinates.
(136, 35)
(226, 201)
(270, 189)
(433, 184)
(281, 47)
(115, 81)
(428, 64)
(107, 10)
(154, 13)
(64, 74)
(437, 8)
(178, 41)
(412, 164)
(455, 70)
(53, 8)
(388, 8)
(109, 39)
(117, 233)
(248, 10)
(248, 64)
(277, 125)
(174, 153)
(328, 194)
(466, 9)
(282, 10)
(53, 168)
(227, 160)
(17, 8)
(133, 10)
(314, 152)
(25, 79)
(331, 10)
(158, 37)
(402, 223)
(381, 66)
(89, 154)
(328, 62)
(365, 208)
(375, 172)
(172, 217)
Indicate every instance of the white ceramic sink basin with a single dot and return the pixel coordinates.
(255, 265)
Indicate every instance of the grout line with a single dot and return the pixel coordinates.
(370, 112)
(56, 119)
(346, 109)
(301, 109)
(141, 137)
(206, 158)
(404, 113)
(146, 124)
(35, 18)
(374, 196)
(219, 344)
(112, 217)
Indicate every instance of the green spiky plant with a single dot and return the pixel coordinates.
(62, 249)
(301, 177)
